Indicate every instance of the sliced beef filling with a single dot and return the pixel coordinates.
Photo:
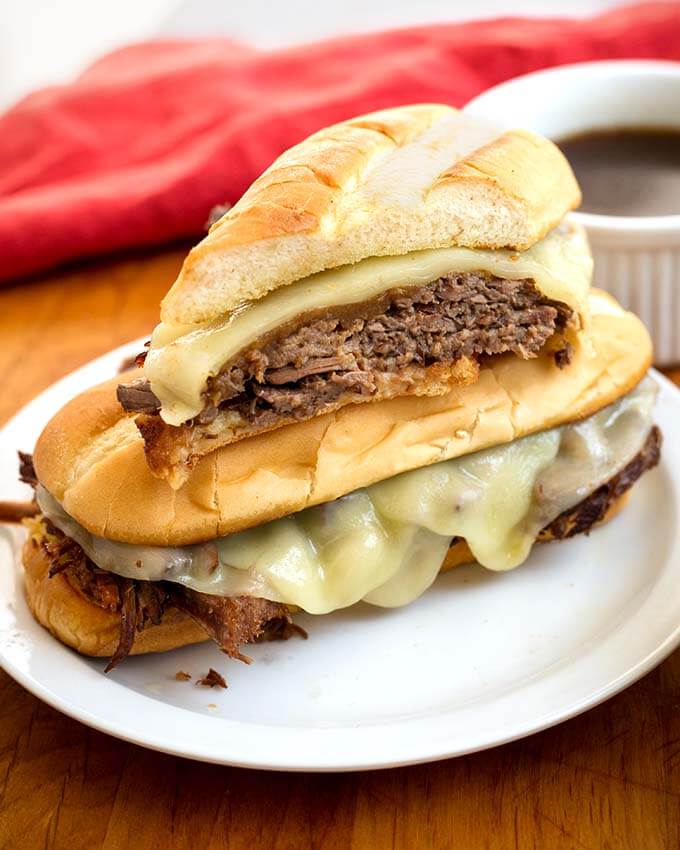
(233, 622)
(332, 357)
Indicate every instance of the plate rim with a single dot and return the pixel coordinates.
(77, 381)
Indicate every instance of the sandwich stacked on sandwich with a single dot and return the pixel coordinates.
(409, 260)
(382, 257)
(369, 502)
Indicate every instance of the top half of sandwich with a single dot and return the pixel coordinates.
(381, 257)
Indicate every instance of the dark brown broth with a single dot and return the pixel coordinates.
(627, 171)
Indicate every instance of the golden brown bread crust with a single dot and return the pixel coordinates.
(91, 457)
(400, 180)
(84, 626)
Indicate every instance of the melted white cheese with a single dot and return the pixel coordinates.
(386, 543)
(182, 357)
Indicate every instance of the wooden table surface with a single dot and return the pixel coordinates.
(607, 779)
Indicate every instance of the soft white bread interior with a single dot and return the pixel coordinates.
(400, 180)
(91, 456)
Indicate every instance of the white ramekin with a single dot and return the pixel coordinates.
(637, 259)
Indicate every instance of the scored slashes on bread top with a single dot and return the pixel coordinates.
(367, 502)
(381, 257)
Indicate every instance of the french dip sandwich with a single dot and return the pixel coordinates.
(368, 502)
(382, 257)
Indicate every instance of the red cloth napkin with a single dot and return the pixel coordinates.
(140, 147)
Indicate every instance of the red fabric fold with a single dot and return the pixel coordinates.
(139, 148)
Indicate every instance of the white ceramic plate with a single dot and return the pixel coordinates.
(482, 658)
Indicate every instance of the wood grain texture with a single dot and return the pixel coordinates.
(608, 780)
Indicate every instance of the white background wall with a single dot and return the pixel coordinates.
(49, 41)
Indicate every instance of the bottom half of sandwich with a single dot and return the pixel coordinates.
(370, 503)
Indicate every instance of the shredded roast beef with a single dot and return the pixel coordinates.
(140, 602)
(135, 361)
(582, 517)
(233, 622)
(230, 622)
(299, 374)
(281, 630)
(18, 511)
(128, 621)
(137, 396)
(27, 470)
(99, 586)
(213, 679)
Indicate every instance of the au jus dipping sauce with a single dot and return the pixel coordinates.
(631, 171)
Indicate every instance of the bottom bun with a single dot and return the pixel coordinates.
(94, 631)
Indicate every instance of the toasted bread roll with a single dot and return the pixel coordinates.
(400, 180)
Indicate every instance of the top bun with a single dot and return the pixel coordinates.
(91, 456)
(400, 180)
